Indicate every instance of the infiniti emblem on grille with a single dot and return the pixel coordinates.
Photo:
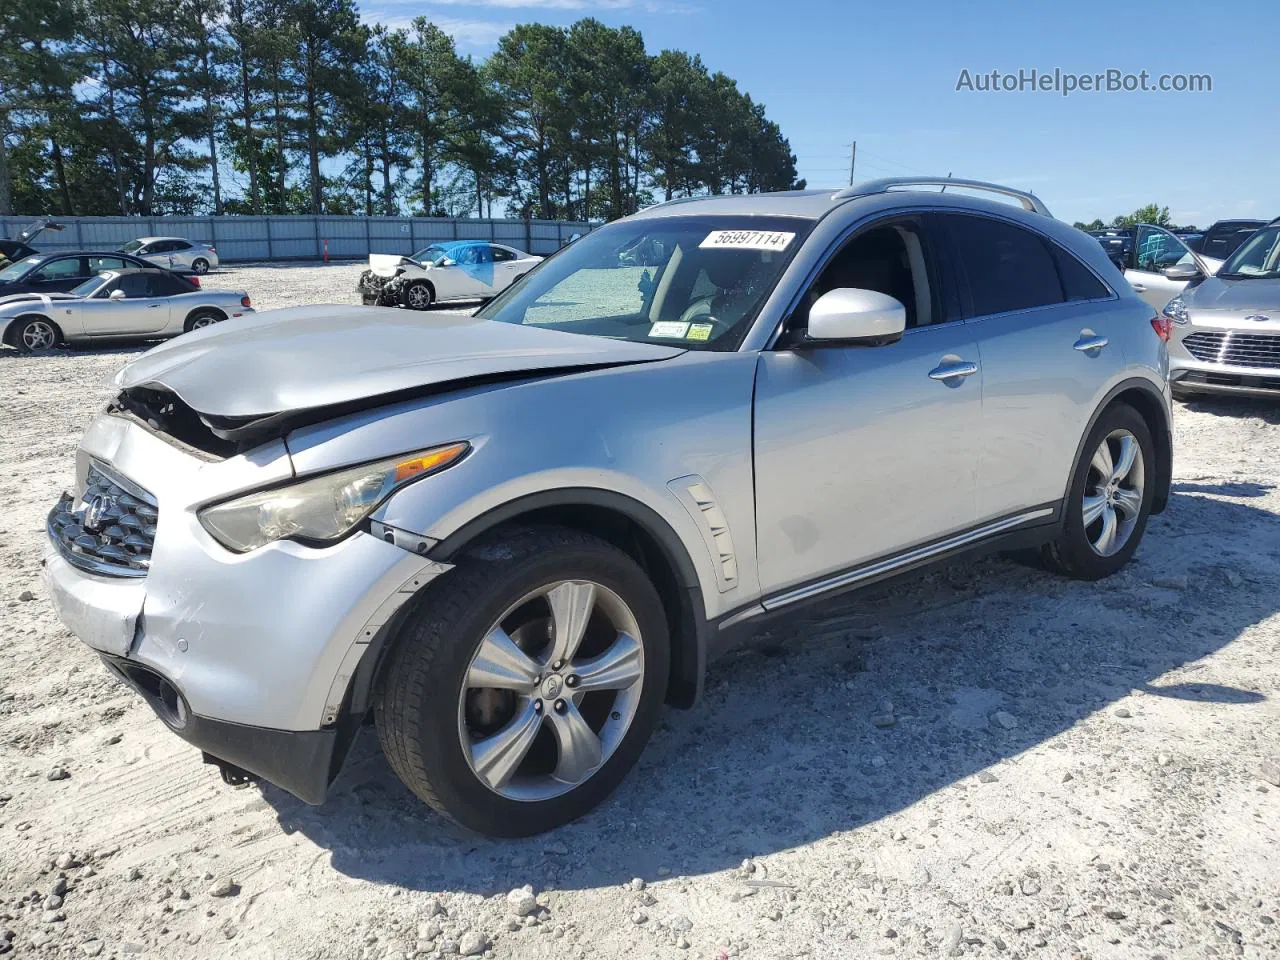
(96, 512)
(1259, 317)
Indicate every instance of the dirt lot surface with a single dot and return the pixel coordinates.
(982, 761)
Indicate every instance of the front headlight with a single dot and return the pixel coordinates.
(1176, 310)
(320, 509)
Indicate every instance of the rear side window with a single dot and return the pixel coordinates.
(1078, 280)
(136, 285)
(1007, 267)
(168, 285)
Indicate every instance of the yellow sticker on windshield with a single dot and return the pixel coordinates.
(747, 240)
(700, 331)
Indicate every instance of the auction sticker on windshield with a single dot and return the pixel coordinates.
(747, 240)
(669, 329)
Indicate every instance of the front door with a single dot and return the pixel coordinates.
(862, 452)
(1154, 251)
(138, 313)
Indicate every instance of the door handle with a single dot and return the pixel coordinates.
(153, 306)
(1087, 343)
(953, 371)
(1139, 287)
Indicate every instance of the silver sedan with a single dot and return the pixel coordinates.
(116, 305)
(174, 253)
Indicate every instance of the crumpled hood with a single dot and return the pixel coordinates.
(1235, 296)
(387, 264)
(319, 356)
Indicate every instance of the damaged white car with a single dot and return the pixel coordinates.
(456, 270)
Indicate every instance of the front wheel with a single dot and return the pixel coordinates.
(36, 335)
(418, 296)
(520, 694)
(1109, 500)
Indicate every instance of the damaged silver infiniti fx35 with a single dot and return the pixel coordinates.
(507, 540)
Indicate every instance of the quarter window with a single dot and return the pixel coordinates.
(1078, 280)
(1007, 267)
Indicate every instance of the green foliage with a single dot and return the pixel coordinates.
(1152, 213)
(296, 106)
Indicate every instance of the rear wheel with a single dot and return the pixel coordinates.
(418, 295)
(1110, 497)
(36, 335)
(520, 694)
(199, 265)
(203, 318)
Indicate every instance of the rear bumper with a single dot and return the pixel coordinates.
(303, 762)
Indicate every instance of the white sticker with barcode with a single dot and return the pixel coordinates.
(669, 330)
(747, 240)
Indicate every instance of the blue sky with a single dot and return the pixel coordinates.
(885, 74)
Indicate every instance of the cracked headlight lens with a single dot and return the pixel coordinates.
(320, 509)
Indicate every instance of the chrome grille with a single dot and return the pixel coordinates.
(1236, 349)
(110, 531)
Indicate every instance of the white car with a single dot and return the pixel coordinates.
(174, 253)
(116, 305)
(453, 270)
(1159, 265)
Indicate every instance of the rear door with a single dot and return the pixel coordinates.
(1050, 337)
(1155, 250)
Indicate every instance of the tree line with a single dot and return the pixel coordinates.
(150, 107)
(1152, 213)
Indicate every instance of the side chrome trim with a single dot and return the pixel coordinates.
(881, 567)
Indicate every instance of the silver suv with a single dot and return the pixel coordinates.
(507, 540)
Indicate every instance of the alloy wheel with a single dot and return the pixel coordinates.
(205, 321)
(419, 297)
(551, 691)
(1113, 492)
(39, 335)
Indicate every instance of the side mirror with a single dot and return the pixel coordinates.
(854, 315)
(1181, 272)
(116, 295)
(446, 262)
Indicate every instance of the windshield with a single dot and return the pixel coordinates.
(693, 281)
(90, 286)
(1258, 258)
(15, 270)
(132, 246)
(430, 255)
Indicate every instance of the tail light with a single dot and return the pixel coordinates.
(213, 249)
(244, 302)
(195, 281)
(1163, 326)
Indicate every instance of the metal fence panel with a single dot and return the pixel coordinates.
(300, 237)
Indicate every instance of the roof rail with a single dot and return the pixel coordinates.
(1029, 201)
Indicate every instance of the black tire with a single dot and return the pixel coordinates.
(416, 704)
(417, 295)
(36, 334)
(200, 265)
(1072, 553)
(202, 318)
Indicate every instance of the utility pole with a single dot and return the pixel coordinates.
(853, 161)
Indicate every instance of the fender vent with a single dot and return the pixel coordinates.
(701, 503)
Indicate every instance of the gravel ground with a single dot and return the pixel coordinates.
(981, 761)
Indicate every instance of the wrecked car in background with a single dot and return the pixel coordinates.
(455, 270)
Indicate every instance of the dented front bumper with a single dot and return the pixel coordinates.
(264, 643)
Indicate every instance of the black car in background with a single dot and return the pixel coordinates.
(62, 271)
(1221, 240)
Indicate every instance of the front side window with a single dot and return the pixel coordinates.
(696, 281)
(1156, 250)
(1258, 258)
(62, 269)
(501, 254)
(1006, 267)
(889, 259)
(136, 285)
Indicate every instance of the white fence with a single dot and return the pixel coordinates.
(299, 238)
